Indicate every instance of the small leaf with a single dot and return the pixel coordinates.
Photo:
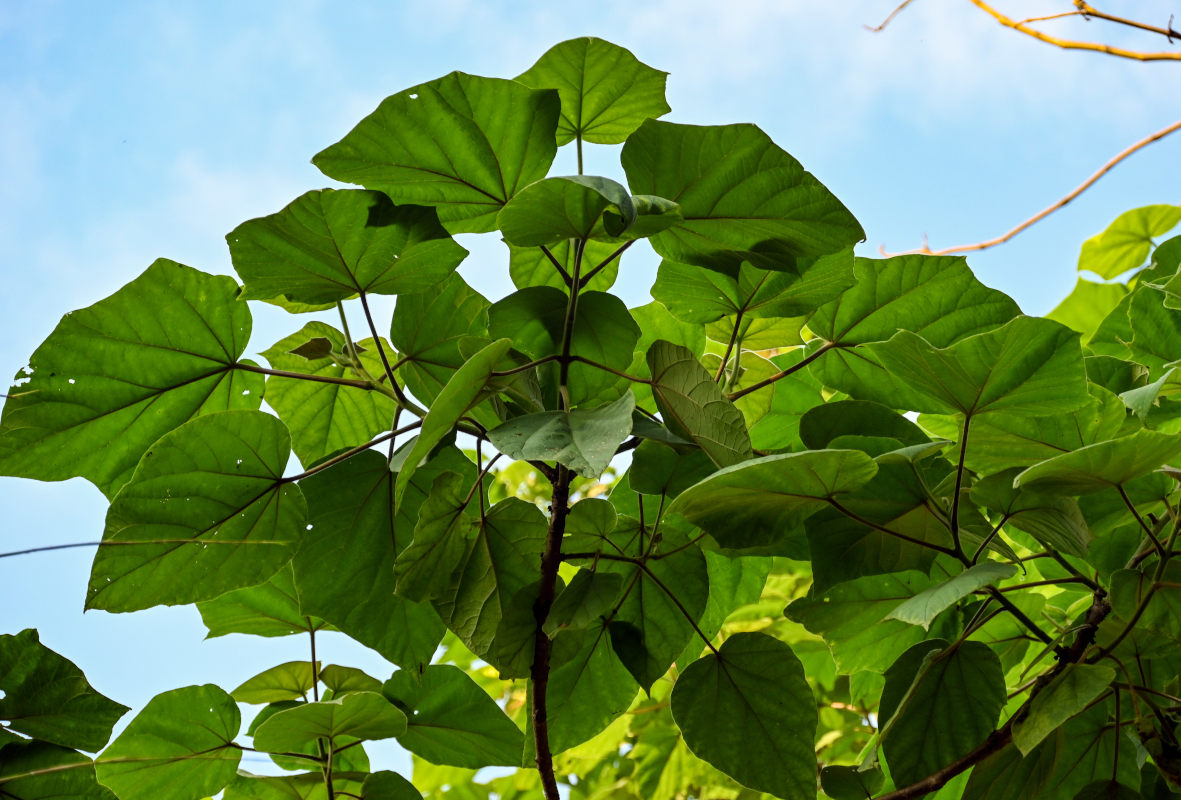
(1127, 240)
(606, 91)
(386, 785)
(748, 711)
(1068, 694)
(584, 439)
(559, 209)
(588, 597)
(328, 245)
(851, 783)
(1054, 521)
(180, 746)
(290, 681)
(269, 609)
(694, 407)
(46, 696)
(452, 720)
(206, 512)
(927, 604)
(361, 715)
(462, 143)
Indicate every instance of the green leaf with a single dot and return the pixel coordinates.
(948, 702)
(180, 746)
(757, 502)
(360, 715)
(820, 425)
(927, 604)
(606, 91)
(1056, 522)
(851, 783)
(452, 720)
(589, 597)
(325, 417)
(748, 711)
(1029, 367)
(290, 681)
(269, 609)
(1155, 329)
(462, 391)
(305, 786)
(441, 539)
(571, 207)
(583, 439)
(1107, 789)
(340, 679)
(113, 378)
(355, 533)
(742, 197)
(529, 266)
(461, 143)
(1085, 308)
(1102, 465)
(1068, 694)
(603, 332)
(662, 470)
(34, 770)
(329, 245)
(46, 696)
(694, 407)
(850, 618)
(206, 512)
(1161, 612)
(1127, 240)
(386, 785)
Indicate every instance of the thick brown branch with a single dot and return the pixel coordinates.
(966, 248)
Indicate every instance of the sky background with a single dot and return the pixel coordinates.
(131, 131)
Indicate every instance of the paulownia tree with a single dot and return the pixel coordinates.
(879, 533)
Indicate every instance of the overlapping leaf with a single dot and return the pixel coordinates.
(360, 715)
(583, 439)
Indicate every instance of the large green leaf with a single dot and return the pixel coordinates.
(180, 746)
(661, 469)
(462, 391)
(1102, 465)
(206, 512)
(461, 143)
(606, 91)
(269, 609)
(1085, 308)
(929, 603)
(451, 720)
(1127, 240)
(1068, 694)
(694, 407)
(759, 501)
(1155, 330)
(747, 710)
(825, 422)
(603, 332)
(344, 569)
(441, 537)
(1028, 367)
(850, 618)
(46, 696)
(113, 378)
(360, 715)
(944, 703)
(570, 207)
(583, 439)
(1054, 521)
(475, 593)
(742, 197)
(35, 770)
(326, 417)
(328, 245)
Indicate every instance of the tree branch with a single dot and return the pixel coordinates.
(889, 19)
(1088, 11)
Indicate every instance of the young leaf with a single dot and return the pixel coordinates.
(206, 512)
(180, 745)
(583, 439)
(606, 91)
(1127, 240)
(694, 407)
(757, 502)
(748, 711)
(290, 681)
(927, 604)
(452, 720)
(462, 143)
(361, 715)
(269, 609)
(328, 245)
(571, 207)
(46, 696)
(742, 197)
(113, 378)
(1068, 694)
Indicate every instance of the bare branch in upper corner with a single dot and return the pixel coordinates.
(1088, 11)
(967, 248)
(1069, 44)
(890, 18)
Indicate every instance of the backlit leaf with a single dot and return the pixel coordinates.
(362, 715)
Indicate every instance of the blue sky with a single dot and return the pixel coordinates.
(137, 130)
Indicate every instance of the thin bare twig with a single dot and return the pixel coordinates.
(1088, 11)
(1127, 151)
(897, 10)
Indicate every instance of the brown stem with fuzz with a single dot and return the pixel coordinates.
(551, 559)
